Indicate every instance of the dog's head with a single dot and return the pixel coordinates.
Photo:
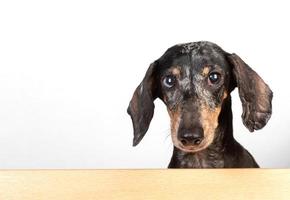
(194, 80)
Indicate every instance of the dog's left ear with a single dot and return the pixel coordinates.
(141, 107)
(255, 94)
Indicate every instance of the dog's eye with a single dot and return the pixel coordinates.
(169, 81)
(214, 77)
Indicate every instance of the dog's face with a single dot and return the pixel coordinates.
(193, 86)
(194, 80)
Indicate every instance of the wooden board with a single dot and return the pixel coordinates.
(145, 184)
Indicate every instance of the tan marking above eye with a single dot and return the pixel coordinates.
(205, 71)
(175, 70)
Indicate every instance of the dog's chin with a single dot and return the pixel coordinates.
(191, 149)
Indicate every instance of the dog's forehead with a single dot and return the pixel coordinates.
(195, 55)
(197, 46)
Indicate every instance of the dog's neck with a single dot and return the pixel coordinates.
(214, 155)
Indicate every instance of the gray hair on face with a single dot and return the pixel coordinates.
(204, 94)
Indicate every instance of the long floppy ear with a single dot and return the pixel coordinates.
(141, 107)
(255, 94)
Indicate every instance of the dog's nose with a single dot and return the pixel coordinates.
(192, 138)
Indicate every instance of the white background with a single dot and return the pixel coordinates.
(69, 68)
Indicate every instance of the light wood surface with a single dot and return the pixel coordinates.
(145, 184)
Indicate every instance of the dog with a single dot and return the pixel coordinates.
(194, 80)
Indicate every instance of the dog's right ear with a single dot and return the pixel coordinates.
(141, 107)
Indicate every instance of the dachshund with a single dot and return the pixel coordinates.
(194, 80)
